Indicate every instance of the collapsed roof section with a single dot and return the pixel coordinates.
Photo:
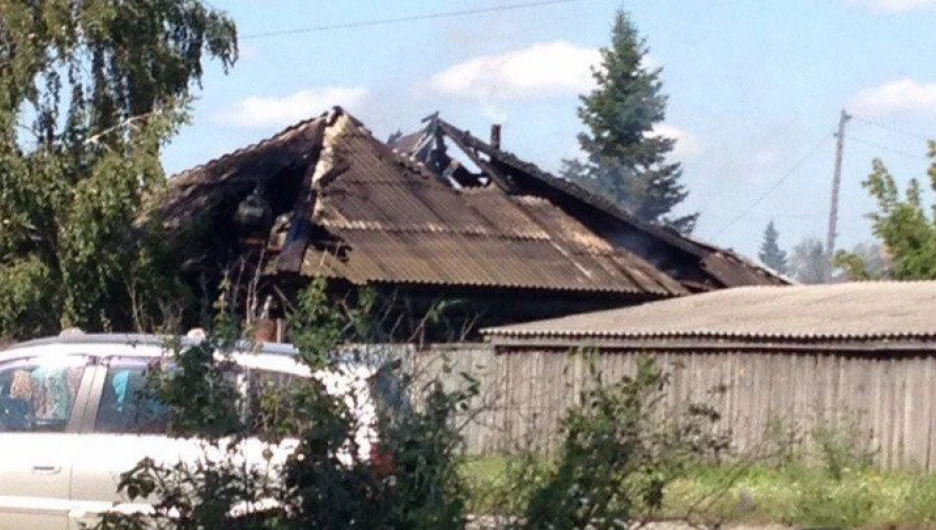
(332, 201)
(699, 266)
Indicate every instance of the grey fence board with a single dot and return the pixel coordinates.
(886, 402)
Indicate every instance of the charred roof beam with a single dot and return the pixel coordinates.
(466, 143)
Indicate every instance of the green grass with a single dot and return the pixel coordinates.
(795, 495)
(806, 497)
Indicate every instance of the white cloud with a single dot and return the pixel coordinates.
(687, 146)
(894, 6)
(265, 112)
(904, 95)
(542, 70)
(495, 112)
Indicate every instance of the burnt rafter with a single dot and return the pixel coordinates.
(464, 141)
(705, 266)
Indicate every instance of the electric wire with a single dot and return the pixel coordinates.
(411, 18)
(775, 185)
(893, 129)
(888, 149)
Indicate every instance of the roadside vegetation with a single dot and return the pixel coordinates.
(822, 482)
(797, 495)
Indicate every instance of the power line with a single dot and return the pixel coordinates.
(888, 149)
(776, 185)
(412, 18)
(893, 130)
(802, 215)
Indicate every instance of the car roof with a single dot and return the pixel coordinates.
(139, 339)
(264, 355)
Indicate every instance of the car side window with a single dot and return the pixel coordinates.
(270, 399)
(125, 406)
(37, 394)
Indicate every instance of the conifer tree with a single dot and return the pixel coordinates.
(770, 253)
(626, 161)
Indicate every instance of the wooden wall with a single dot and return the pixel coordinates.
(886, 402)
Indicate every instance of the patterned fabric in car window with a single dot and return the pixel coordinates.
(38, 397)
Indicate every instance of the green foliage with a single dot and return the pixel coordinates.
(905, 227)
(29, 303)
(625, 159)
(841, 449)
(865, 262)
(618, 455)
(198, 392)
(324, 482)
(805, 497)
(317, 326)
(770, 252)
(89, 92)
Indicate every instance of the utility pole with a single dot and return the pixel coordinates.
(836, 183)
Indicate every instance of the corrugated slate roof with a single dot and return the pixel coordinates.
(868, 310)
(726, 267)
(390, 220)
(398, 223)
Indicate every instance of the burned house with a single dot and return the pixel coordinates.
(509, 242)
(696, 265)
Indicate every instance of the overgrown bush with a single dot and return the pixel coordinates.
(324, 481)
(841, 448)
(618, 453)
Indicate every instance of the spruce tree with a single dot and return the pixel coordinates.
(625, 160)
(770, 253)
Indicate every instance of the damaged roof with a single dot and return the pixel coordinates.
(366, 214)
(844, 311)
(719, 267)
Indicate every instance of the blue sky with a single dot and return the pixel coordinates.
(754, 88)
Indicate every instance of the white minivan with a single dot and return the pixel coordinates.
(68, 429)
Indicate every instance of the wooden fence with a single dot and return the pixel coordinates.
(884, 404)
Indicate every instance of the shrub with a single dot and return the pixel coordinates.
(325, 482)
(618, 454)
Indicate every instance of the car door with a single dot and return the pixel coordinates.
(41, 401)
(123, 426)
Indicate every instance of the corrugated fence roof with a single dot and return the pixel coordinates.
(869, 310)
